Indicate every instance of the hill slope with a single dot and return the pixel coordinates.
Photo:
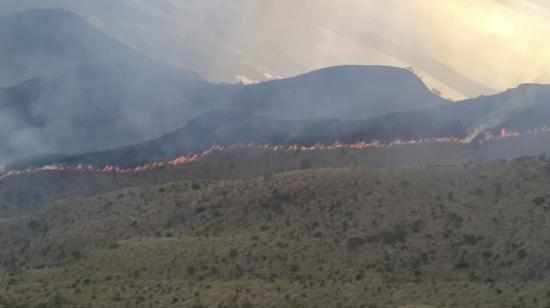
(522, 109)
(442, 236)
(49, 186)
(351, 91)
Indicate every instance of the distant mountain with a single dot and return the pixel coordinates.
(337, 92)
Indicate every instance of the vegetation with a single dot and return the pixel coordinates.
(450, 236)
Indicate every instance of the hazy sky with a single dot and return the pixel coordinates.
(463, 47)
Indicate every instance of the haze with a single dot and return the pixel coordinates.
(463, 48)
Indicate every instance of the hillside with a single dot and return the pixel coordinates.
(524, 107)
(521, 109)
(351, 91)
(222, 127)
(436, 236)
(48, 186)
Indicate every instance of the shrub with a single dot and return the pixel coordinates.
(294, 268)
(394, 235)
(417, 225)
(462, 264)
(34, 225)
(538, 201)
(469, 239)
(522, 254)
(76, 254)
(305, 164)
(355, 242)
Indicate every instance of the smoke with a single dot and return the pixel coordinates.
(509, 105)
(464, 48)
(79, 90)
(16, 139)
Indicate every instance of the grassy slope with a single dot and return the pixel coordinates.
(360, 237)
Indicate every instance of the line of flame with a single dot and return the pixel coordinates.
(184, 159)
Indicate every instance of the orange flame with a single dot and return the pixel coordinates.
(505, 133)
(184, 159)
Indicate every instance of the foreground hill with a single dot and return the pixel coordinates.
(437, 236)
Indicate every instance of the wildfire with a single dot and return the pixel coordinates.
(505, 133)
(184, 159)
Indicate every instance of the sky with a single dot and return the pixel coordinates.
(464, 48)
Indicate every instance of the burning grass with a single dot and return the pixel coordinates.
(184, 159)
